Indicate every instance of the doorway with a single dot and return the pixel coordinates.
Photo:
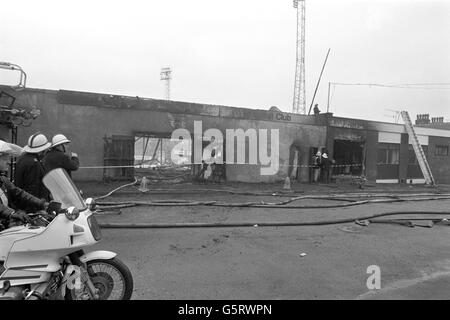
(294, 163)
(118, 158)
(348, 156)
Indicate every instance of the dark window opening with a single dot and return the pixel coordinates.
(348, 156)
(413, 170)
(441, 150)
(118, 157)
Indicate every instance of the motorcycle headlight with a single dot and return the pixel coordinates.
(72, 213)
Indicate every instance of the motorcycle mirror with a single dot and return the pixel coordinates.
(6, 286)
(54, 206)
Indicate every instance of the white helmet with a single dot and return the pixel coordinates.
(37, 143)
(59, 139)
(10, 149)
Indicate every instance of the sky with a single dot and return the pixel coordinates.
(237, 53)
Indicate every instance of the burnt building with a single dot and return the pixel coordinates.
(112, 134)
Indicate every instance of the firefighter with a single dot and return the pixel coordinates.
(29, 169)
(59, 156)
(317, 166)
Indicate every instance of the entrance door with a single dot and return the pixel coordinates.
(348, 156)
(118, 158)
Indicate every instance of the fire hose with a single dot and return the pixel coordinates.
(278, 205)
(267, 224)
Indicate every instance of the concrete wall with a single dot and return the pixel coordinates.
(440, 165)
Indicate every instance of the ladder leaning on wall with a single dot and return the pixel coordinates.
(423, 163)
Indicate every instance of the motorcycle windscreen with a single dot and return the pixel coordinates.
(63, 190)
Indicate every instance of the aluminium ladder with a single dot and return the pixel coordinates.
(420, 155)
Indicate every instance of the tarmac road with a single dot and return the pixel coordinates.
(269, 262)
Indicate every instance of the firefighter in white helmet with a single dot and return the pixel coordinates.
(59, 155)
(29, 169)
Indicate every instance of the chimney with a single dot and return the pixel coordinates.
(437, 120)
(423, 118)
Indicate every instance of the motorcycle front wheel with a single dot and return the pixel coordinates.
(111, 277)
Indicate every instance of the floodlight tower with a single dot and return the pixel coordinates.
(299, 104)
(166, 75)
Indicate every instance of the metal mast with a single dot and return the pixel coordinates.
(166, 75)
(299, 104)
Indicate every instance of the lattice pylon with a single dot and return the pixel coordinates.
(299, 101)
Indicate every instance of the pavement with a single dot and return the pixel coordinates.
(289, 263)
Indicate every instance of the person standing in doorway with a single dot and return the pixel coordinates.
(29, 169)
(326, 165)
(59, 156)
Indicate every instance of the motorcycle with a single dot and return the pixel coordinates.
(45, 259)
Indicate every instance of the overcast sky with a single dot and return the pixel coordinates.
(237, 52)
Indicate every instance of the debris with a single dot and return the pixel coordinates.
(363, 223)
(302, 254)
(144, 185)
(255, 225)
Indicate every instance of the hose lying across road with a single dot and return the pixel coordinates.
(277, 205)
(104, 206)
(121, 187)
(264, 224)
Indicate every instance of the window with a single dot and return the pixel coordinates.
(441, 150)
(412, 159)
(152, 151)
(388, 153)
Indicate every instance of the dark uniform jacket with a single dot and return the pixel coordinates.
(17, 199)
(29, 174)
(58, 159)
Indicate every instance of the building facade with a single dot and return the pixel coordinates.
(112, 133)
